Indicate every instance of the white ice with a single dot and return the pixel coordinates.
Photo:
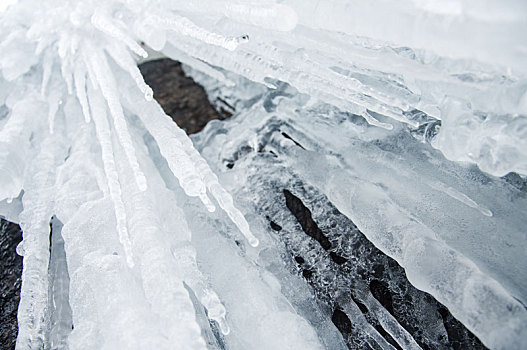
(150, 266)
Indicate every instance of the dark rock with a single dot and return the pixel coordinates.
(181, 98)
(307, 274)
(341, 321)
(367, 269)
(299, 260)
(363, 308)
(275, 226)
(380, 291)
(337, 258)
(303, 215)
(10, 282)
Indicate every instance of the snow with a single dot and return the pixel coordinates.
(150, 266)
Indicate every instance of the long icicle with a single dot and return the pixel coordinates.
(102, 129)
(104, 78)
(167, 134)
(79, 76)
(38, 201)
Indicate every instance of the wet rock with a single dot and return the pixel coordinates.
(10, 282)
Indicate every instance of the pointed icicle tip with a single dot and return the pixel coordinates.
(224, 327)
(149, 94)
(207, 202)
(20, 249)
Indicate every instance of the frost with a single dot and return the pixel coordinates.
(150, 262)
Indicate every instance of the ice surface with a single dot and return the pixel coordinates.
(446, 224)
(60, 312)
(344, 91)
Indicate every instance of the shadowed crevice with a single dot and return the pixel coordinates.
(304, 218)
(309, 226)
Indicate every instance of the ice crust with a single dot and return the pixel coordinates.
(449, 225)
(147, 265)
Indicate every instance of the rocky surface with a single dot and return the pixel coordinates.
(10, 281)
(181, 98)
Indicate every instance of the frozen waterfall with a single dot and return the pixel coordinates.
(392, 133)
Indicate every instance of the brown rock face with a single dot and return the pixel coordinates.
(181, 98)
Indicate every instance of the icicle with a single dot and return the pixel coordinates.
(38, 201)
(89, 71)
(278, 16)
(14, 142)
(60, 309)
(223, 197)
(80, 88)
(43, 43)
(260, 67)
(47, 66)
(162, 276)
(460, 196)
(180, 56)
(167, 133)
(104, 78)
(371, 120)
(172, 150)
(215, 309)
(104, 24)
(66, 69)
(104, 136)
(53, 103)
(227, 204)
(210, 179)
(125, 61)
(62, 44)
(185, 256)
(186, 27)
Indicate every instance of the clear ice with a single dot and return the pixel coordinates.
(409, 117)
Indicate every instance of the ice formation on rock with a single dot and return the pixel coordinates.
(449, 226)
(83, 141)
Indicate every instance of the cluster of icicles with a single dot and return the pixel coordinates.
(68, 46)
(69, 59)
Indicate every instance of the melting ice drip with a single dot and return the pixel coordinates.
(70, 79)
